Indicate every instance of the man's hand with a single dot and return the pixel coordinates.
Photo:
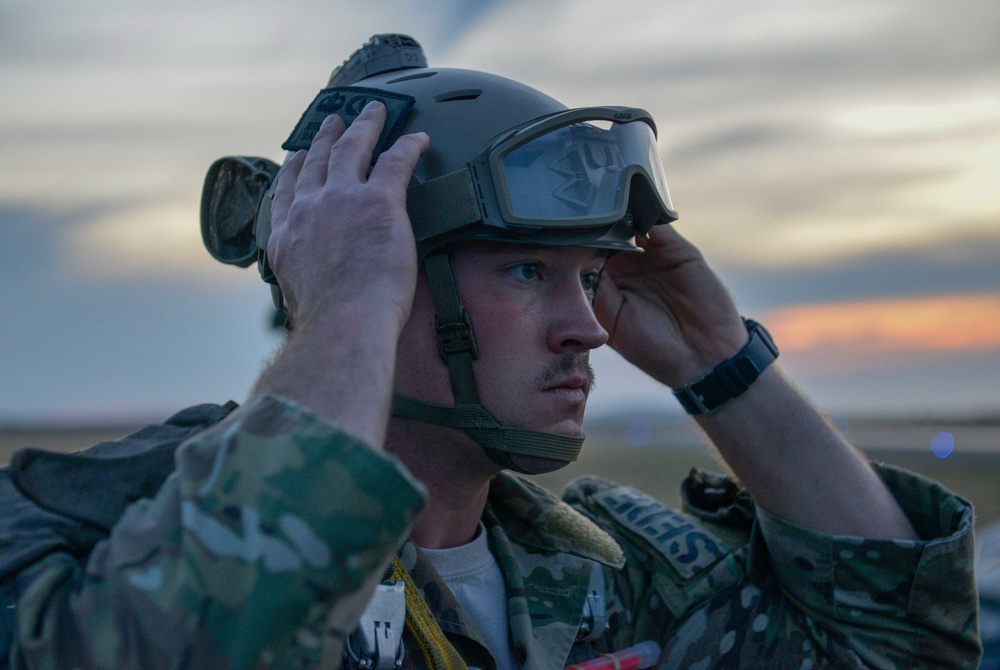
(340, 236)
(666, 311)
(670, 315)
(343, 251)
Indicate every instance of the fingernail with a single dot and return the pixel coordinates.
(327, 121)
(373, 105)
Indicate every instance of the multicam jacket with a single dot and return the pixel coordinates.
(256, 543)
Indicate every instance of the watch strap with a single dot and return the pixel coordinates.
(733, 376)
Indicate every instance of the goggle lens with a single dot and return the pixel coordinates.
(582, 171)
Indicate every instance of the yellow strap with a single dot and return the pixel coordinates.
(438, 651)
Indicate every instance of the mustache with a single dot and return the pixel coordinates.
(570, 364)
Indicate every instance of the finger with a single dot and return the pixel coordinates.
(352, 153)
(284, 190)
(665, 235)
(395, 166)
(313, 174)
(607, 307)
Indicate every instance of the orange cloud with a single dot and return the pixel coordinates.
(885, 332)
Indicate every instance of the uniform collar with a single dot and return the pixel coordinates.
(536, 519)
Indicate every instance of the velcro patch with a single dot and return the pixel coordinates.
(687, 547)
(347, 102)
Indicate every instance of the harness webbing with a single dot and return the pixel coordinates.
(438, 651)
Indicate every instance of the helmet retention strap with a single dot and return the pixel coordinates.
(456, 340)
(457, 345)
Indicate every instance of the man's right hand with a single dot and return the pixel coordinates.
(344, 254)
(341, 237)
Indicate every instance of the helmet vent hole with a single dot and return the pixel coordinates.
(419, 75)
(463, 94)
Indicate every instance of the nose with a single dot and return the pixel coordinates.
(573, 327)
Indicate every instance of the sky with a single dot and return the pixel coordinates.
(838, 163)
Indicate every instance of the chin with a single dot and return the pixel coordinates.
(571, 428)
(536, 465)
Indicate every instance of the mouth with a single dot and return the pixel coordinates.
(568, 381)
(574, 388)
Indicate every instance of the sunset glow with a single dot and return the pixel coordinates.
(886, 332)
(837, 164)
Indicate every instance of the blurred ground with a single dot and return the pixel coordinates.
(655, 456)
(673, 447)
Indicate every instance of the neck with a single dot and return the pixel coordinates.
(457, 475)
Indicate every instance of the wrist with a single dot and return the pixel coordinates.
(373, 313)
(733, 376)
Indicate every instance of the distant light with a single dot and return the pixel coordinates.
(639, 433)
(943, 444)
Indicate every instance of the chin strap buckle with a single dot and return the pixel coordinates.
(377, 644)
(595, 614)
(456, 336)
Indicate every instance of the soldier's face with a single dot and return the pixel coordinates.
(531, 310)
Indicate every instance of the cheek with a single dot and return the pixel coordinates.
(503, 327)
(509, 344)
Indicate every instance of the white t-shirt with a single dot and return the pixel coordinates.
(472, 574)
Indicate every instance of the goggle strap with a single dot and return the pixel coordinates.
(496, 438)
(423, 203)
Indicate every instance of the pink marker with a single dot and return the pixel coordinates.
(642, 655)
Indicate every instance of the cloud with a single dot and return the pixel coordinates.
(694, 53)
(960, 265)
(957, 385)
(127, 351)
(30, 240)
(96, 244)
(902, 118)
(778, 124)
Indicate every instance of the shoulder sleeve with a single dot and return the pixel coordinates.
(787, 592)
(887, 598)
(257, 551)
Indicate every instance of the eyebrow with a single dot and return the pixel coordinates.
(518, 248)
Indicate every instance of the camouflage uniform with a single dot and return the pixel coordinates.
(254, 551)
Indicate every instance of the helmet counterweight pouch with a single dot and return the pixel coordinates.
(230, 200)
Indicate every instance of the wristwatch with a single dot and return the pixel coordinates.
(732, 376)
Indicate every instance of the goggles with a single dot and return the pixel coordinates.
(560, 179)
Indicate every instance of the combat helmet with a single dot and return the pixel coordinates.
(506, 163)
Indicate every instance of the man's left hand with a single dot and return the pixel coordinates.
(666, 311)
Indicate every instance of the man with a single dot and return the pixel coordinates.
(443, 291)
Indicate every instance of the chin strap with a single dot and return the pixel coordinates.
(497, 440)
(457, 345)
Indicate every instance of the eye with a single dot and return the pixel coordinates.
(590, 281)
(524, 271)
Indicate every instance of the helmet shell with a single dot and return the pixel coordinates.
(461, 111)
